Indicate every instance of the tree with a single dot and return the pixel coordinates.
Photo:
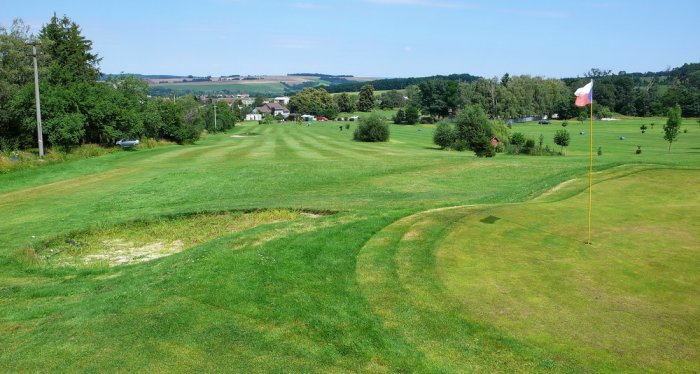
(400, 117)
(392, 99)
(445, 135)
(366, 101)
(316, 101)
(66, 130)
(474, 128)
(673, 125)
(561, 138)
(412, 114)
(15, 81)
(258, 101)
(439, 97)
(582, 115)
(344, 102)
(69, 53)
(371, 129)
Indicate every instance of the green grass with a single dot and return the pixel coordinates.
(384, 284)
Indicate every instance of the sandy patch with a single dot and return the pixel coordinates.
(120, 252)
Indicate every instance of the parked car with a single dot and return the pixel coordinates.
(544, 122)
(127, 143)
(321, 119)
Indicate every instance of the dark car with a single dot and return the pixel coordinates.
(544, 122)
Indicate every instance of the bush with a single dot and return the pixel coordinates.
(474, 127)
(371, 129)
(267, 120)
(444, 135)
(89, 150)
(562, 138)
(517, 141)
(412, 115)
(66, 130)
(400, 117)
(427, 120)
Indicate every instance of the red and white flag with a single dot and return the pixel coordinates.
(584, 95)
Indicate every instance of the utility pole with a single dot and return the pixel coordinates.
(38, 103)
(215, 116)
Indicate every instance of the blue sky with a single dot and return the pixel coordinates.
(378, 38)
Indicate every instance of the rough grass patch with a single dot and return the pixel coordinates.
(149, 239)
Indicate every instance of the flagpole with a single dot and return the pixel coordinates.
(590, 172)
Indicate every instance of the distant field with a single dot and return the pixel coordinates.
(292, 248)
(230, 88)
(269, 85)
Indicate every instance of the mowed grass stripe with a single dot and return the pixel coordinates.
(307, 141)
(417, 309)
(345, 148)
(301, 151)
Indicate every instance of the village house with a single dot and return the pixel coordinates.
(282, 100)
(273, 109)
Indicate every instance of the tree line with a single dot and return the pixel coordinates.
(76, 107)
(632, 94)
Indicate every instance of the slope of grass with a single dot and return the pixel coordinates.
(305, 294)
(478, 274)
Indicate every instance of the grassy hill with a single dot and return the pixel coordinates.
(292, 248)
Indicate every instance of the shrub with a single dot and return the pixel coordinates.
(412, 115)
(444, 135)
(517, 140)
(427, 120)
(8, 144)
(371, 129)
(561, 138)
(89, 150)
(564, 124)
(65, 130)
(400, 117)
(639, 149)
(460, 145)
(474, 126)
(600, 151)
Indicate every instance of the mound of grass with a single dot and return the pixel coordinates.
(521, 277)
